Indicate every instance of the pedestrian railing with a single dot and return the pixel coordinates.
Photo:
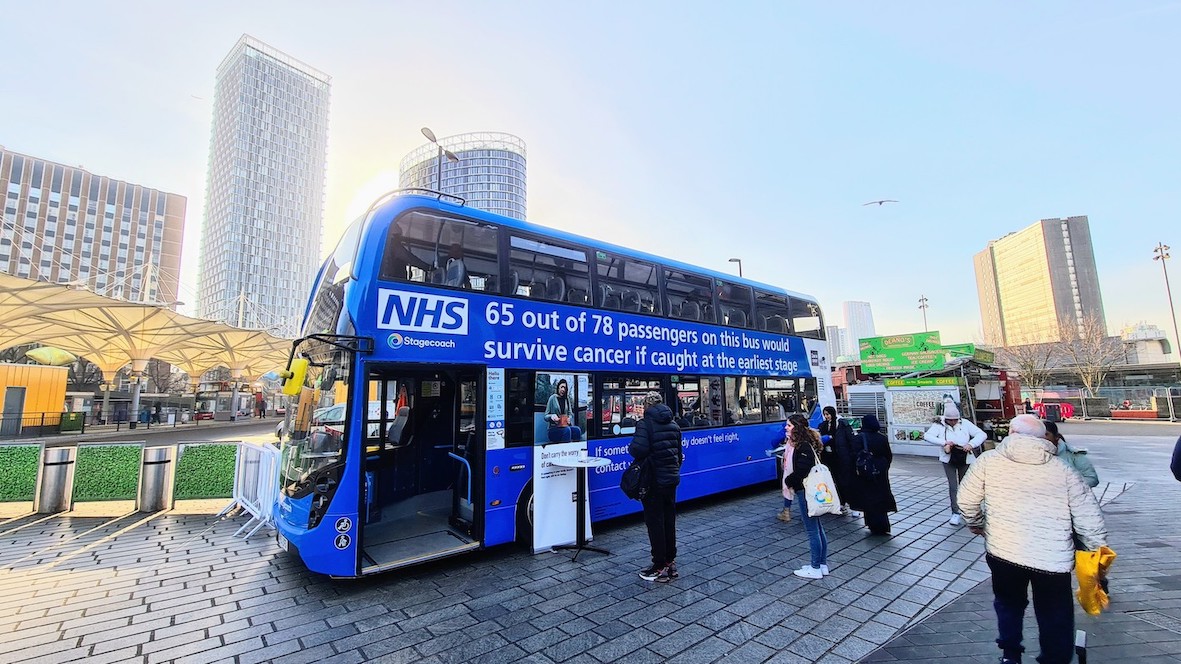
(35, 425)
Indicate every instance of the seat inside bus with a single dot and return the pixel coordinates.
(456, 274)
(690, 310)
(775, 323)
(735, 318)
(555, 289)
(630, 300)
(578, 296)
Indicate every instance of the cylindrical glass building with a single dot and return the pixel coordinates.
(490, 174)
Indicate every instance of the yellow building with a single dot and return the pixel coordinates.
(31, 396)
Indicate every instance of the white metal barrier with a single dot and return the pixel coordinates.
(256, 485)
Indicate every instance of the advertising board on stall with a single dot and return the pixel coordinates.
(912, 406)
(902, 353)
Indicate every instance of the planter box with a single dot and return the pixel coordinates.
(1135, 414)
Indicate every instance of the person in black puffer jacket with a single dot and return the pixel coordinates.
(658, 440)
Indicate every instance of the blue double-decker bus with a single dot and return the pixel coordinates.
(445, 349)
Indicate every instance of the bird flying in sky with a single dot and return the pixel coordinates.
(881, 202)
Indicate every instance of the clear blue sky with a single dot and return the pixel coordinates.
(692, 130)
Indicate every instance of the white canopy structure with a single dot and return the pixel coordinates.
(114, 333)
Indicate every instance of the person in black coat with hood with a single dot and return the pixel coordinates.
(840, 456)
(658, 440)
(872, 494)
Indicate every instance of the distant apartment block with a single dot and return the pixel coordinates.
(1034, 280)
(65, 224)
(490, 173)
(264, 201)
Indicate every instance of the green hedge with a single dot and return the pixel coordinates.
(18, 472)
(107, 472)
(205, 471)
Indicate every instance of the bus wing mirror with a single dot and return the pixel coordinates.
(293, 376)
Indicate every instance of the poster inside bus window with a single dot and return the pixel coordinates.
(560, 401)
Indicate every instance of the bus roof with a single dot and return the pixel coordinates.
(396, 204)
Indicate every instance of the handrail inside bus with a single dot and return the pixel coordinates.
(467, 465)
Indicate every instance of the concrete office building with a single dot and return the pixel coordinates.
(490, 173)
(1034, 280)
(65, 224)
(264, 201)
(858, 324)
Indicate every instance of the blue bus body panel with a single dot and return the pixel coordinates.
(507, 472)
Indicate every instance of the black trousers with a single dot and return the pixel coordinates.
(878, 521)
(660, 515)
(1053, 606)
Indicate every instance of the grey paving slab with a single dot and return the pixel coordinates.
(1142, 625)
(180, 588)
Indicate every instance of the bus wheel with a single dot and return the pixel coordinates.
(525, 519)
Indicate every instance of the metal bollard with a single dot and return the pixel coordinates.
(155, 485)
(55, 488)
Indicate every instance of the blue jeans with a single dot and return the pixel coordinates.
(817, 540)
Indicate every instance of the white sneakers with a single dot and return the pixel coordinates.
(855, 514)
(955, 520)
(824, 570)
(809, 572)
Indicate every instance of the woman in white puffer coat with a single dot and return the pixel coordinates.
(949, 434)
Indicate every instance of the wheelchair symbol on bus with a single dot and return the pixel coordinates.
(342, 542)
(343, 524)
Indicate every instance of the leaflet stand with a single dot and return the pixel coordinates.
(582, 466)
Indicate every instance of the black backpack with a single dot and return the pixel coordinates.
(636, 480)
(866, 465)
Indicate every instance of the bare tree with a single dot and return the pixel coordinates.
(1089, 352)
(16, 354)
(1033, 363)
(163, 379)
(84, 376)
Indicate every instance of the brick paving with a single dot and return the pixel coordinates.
(1142, 625)
(180, 588)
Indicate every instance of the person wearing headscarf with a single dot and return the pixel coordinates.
(956, 439)
(870, 484)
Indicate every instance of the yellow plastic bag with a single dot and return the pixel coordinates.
(1091, 566)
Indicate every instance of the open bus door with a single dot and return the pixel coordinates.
(423, 449)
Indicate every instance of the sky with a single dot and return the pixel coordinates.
(696, 131)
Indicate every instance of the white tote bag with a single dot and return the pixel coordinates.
(821, 492)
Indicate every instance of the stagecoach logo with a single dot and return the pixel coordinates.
(419, 312)
(396, 340)
(342, 542)
(343, 524)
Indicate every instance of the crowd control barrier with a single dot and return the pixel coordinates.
(256, 486)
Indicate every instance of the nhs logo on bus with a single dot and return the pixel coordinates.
(418, 312)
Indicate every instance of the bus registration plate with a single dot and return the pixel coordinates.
(282, 542)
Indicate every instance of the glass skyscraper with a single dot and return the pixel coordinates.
(264, 200)
(490, 173)
(66, 225)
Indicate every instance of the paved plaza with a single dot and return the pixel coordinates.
(179, 587)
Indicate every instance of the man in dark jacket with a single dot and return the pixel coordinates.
(658, 440)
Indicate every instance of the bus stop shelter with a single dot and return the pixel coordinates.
(114, 333)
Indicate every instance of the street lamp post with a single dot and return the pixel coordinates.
(739, 261)
(923, 306)
(1162, 255)
(430, 136)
